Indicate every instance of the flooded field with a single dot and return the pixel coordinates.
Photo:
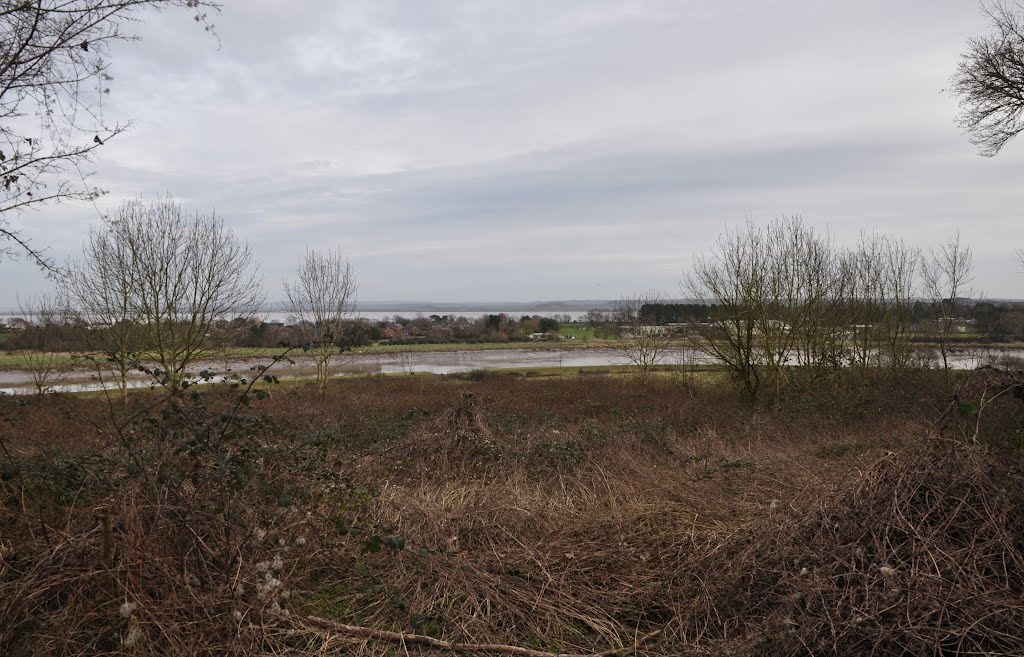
(442, 362)
(433, 362)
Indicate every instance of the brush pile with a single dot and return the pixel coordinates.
(458, 440)
(924, 555)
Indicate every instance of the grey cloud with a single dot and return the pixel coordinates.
(531, 149)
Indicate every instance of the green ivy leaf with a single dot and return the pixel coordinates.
(372, 545)
(966, 407)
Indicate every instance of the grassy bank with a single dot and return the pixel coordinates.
(555, 513)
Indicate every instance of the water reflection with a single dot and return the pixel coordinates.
(450, 362)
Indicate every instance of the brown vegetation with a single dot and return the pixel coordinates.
(573, 514)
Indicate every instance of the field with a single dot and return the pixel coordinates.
(577, 333)
(552, 514)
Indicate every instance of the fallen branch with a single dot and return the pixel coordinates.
(421, 639)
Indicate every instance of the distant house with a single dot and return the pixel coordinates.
(420, 326)
(683, 328)
(277, 332)
(651, 331)
(394, 332)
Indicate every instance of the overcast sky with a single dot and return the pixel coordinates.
(530, 149)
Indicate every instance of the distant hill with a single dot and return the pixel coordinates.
(562, 305)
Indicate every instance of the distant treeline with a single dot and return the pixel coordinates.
(66, 333)
(988, 320)
(674, 313)
(999, 321)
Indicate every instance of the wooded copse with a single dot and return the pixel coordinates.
(784, 295)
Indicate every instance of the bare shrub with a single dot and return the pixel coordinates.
(640, 338)
(41, 341)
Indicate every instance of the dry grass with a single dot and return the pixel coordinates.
(567, 514)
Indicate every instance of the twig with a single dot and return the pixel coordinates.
(401, 637)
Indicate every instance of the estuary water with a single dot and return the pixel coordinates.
(434, 362)
(445, 362)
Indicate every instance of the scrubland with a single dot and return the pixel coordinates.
(872, 513)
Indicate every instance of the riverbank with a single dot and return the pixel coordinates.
(82, 375)
(357, 363)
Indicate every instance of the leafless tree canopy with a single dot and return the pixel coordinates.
(320, 302)
(989, 81)
(101, 288)
(182, 272)
(778, 295)
(947, 273)
(43, 358)
(53, 77)
(784, 295)
(899, 279)
(640, 339)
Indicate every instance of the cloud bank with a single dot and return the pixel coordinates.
(462, 151)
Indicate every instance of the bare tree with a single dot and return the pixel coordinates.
(818, 318)
(897, 270)
(784, 295)
(320, 303)
(187, 270)
(102, 289)
(946, 273)
(863, 299)
(805, 312)
(729, 280)
(777, 298)
(798, 317)
(53, 76)
(989, 80)
(640, 339)
(40, 341)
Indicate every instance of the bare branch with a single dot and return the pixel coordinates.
(989, 80)
(53, 78)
